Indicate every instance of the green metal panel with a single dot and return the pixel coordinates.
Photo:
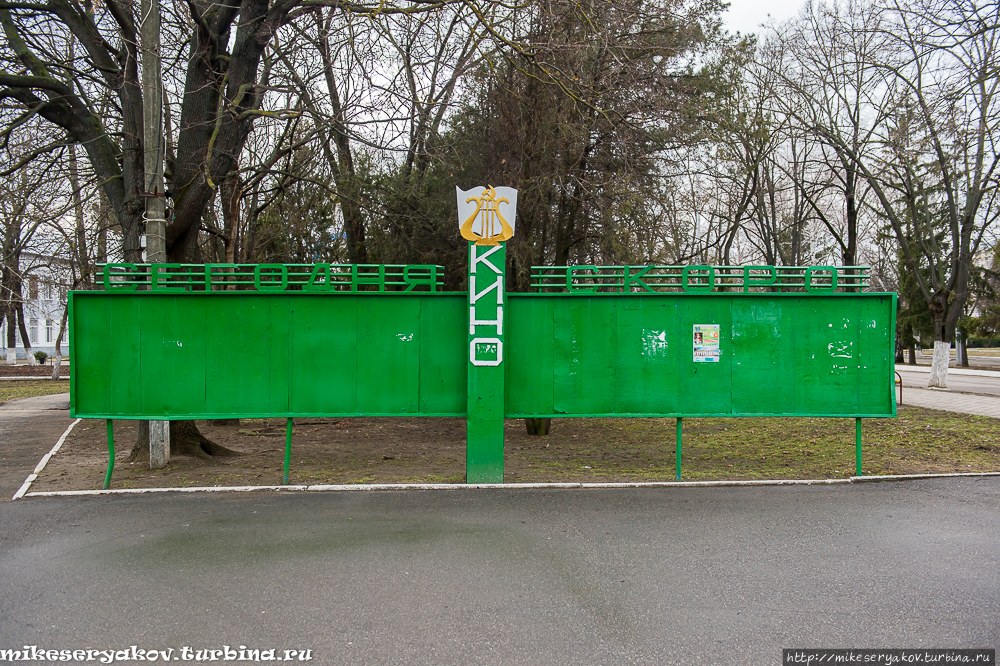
(239, 368)
(325, 362)
(221, 354)
(279, 344)
(171, 356)
(621, 341)
(585, 354)
(534, 381)
(388, 358)
(704, 386)
(123, 379)
(487, 360)
(780, 354)
(762, 325)
(250, 354)
(443, 376)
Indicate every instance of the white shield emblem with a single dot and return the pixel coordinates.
(486, 214)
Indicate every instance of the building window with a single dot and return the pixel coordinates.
(33, 330)
(49, 334)
(33, 288)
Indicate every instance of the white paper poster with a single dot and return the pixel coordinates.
(706, 343)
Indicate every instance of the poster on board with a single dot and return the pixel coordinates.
(706, 343)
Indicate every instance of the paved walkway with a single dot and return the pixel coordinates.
(963, 403)
(29, 427)
(965, 372)
(951, 401)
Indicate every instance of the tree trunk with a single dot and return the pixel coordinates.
(25, 339)
(962, 350)
(913, 353)
(538, 427)
(185, 440)
(939, 366)
(57, 361)
(344, 175)
(11, 339)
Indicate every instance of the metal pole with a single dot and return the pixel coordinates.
(111, 453)
(679, 430)
(857, 446)
(152, 140)
(288, 447)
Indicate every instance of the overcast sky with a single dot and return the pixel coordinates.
(746, 15)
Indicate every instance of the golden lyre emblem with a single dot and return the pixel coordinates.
(486, 215)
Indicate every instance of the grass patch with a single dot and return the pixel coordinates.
(16, 390)
(918, 441)
(432, 450)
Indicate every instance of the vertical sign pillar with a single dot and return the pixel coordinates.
(486, 219)
(484, 425)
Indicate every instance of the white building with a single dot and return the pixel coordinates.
(45, 299)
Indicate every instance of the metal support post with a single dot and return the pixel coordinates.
(857, 446)
(288, 447)
(680, 428)
(111, 454)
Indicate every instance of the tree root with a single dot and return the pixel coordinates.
(538, 427)
(185, 440)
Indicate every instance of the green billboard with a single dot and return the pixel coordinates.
(227, 341)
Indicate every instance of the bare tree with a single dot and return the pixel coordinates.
(905, 98)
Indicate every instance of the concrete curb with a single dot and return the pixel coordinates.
(384, 487)
(916, 477)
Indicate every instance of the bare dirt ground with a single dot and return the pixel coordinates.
(432, 450)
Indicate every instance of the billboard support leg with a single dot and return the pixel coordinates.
(288, 447)
(111, 453)
(857, 446)
(680, 427)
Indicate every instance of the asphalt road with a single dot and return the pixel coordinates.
(960, 383)
(644, 576)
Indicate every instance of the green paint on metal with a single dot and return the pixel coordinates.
(111, 454)
(578, 273)
(752, 280)
(486, 366)
(680, 430)
(329, 340)
(701, 282)
(250, 354)
(288, 448)
(780, 355)
(120, 277)
(266, 281)
(857, 446)
(811, 283)
(699, 279)
(160, 276)
(272, 278)
(256, 355)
